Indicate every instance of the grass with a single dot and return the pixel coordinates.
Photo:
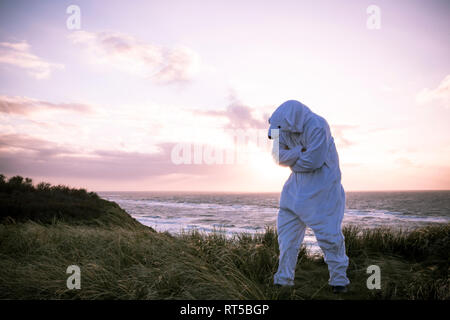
(121, 259)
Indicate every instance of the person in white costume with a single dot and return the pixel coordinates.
(312, 196)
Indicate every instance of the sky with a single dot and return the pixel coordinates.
(175, 95)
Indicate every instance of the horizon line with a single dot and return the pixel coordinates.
(227, 191)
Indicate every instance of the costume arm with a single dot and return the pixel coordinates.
(315, 154)
(284, 156)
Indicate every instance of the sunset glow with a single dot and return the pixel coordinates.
(104, 105)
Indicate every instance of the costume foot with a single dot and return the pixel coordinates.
(278, 286)
(339, 289)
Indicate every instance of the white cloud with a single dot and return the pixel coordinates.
(25, 106)
(127, 54)
(18, 54)
(439, 96)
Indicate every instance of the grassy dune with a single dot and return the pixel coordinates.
(122, 259)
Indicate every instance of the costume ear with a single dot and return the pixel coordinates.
(299, 119)
(290, 122)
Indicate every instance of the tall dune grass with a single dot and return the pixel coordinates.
(122, 259)
(130, 262)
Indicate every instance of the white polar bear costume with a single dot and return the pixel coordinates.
(313, 195)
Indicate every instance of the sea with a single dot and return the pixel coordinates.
(234, 213)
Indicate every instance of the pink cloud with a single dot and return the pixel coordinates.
(18, 54)
(338, 132)
(13, 143)
(239, 116)
(127, 54)
(439, 95)
(38, 157)
(25, 106)
(243, 117)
